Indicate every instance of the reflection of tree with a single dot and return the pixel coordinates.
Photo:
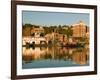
(78, 55)
(47, 56)
(27, 59)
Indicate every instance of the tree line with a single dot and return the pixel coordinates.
(61, 29)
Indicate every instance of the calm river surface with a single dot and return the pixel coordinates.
(47, 57)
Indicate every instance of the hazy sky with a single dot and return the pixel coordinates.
(54, 18)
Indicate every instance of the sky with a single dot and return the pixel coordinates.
(53, 18)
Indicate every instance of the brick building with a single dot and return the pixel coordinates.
(80, 30)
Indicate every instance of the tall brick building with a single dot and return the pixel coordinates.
(80, 29)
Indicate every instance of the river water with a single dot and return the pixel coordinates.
(50, 57)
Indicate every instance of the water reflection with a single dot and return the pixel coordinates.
(78, 56)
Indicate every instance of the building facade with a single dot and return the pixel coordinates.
(36, 32)
(80, 30)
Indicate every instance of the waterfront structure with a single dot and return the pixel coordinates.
(35, 40)
(36, 36)
(36, 32)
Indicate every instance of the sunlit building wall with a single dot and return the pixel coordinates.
(80, 29)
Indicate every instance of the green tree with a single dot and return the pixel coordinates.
(26, 29)
(69, 32)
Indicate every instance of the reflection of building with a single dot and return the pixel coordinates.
(80, 57)
(80, 30)
(33, 53)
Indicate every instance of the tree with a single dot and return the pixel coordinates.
(27, 25)
(26, 29)
(69, 32)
